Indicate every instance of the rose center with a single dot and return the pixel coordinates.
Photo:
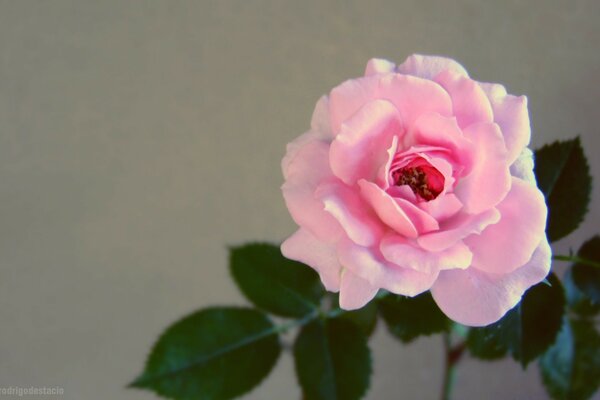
(424, 180)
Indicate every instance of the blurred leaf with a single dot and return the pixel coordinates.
(333, 361)
(365, 318)
(527, 330)
(410, 317)
(586, 277)
(216, 353)
(577, 301)
(562, 173)
(273, 282)
(485, 345)
(570, 369)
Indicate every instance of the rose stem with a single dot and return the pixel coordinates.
(575, 259)
(453, 356)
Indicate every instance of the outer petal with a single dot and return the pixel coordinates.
(380, 273)
(305, 166)
(304, 247)
(387, 209)
(401, 252)
(469, 101)
(428, 67)
(349, 97)
(379, 66)
(320, 119)
(351, 212)
(510, 112)
(413, 96)
(476, 298)
(489, 179)
(290, 165)
(457, 228)
(523, 167)
(507, 245)
(360, 148)
(355, 292)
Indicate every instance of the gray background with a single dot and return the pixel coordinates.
(138, 139)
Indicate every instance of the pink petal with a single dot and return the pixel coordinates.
(476, 298)
(442, 207)
(457, 228)
(379, 66)
(320, 122)
(428, 67)
(446, 169)
(401, 252)
(413, 96)
(387, 209)
(305, 166)
(421, 219)
(507, 245)
(433, 129)
(419, 150)
(510, 112)
(304, 247)
(489, 180)
(523, 167)
(384, 170)
(469, 101)
(296, 146)
(355, 292)
(402, 192)
(360, 148)
(365, 263)
(351, 212)
(347, 98)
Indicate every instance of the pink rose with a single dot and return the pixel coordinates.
(416, 177)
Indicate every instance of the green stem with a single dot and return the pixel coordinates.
(453, 356)
(298, 322)
(576, 259)
(336, 312)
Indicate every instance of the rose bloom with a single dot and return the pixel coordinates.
(416, 177)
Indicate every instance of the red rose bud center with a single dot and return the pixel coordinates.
(424, 180)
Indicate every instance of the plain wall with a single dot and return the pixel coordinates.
(139, 138)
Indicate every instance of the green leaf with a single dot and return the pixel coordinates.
(485, 345)
(273, 282)
(333, 361)
(577, 301)
(365, 318)
(587, 277)
(570, 369)
(562, 173)
(527, 330)
(410, 317)
(213, 354)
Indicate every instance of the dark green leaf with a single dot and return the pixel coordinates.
(216, 353)
(410, 317)
(333, 361)
(365, 318)
(528, 329)
(577, 300)
(587, 277)
(274, 283)
(485, 345)
(562, 173)
(570, 369)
